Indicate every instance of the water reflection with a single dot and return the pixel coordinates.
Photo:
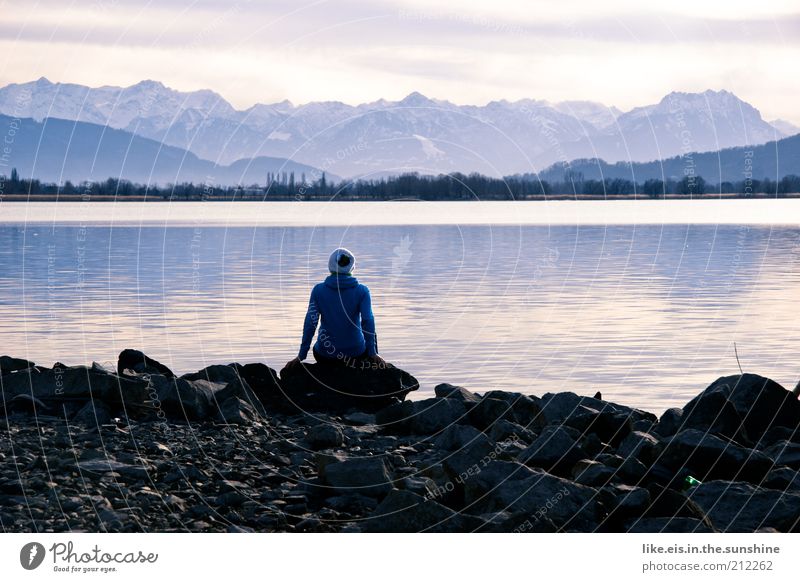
(646, 314)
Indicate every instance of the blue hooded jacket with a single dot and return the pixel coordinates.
(347, 327)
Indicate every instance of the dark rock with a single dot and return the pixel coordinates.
(506, 486)
(670, 422)
(668, 525)
(608, 425)
(642, 446)
(324, 436)
(217, 374)
(741, 507)
(504, 430)
(525, 410)
(627, 502)
(433, 415)
(236, 403)
(362, 475)
(457, 437)
(489, 411)
(407, 512)
(457, 392)
(707, 457)
(555, 450)
(560, 406)
(783, 479)
(9, 365)
(311, 387)
(264, 382)
(592, 473)
(669, 503)
(712, 412)
(760, 402)
(784, 453)
(94, 413)
(26, 404)
(138, 362)
(59, 385)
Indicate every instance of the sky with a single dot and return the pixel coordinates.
(623, 53)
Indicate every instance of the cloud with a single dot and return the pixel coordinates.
(620, 52)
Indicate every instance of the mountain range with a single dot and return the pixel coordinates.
(417, 133)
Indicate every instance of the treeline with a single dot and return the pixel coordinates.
(456, 186)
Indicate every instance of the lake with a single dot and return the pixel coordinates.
(642, 300)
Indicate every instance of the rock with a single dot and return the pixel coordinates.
(216, 374)
(360, 418)
(457, 437)
(608, 425)
(760, 402)
(74, 383)
(627, 502)
(324, 436)
(642, 446)
(525, 410)
(670, 422)
(9, 365)
(136, 361)
(489, 411)
(708, 457)
(433, 415)
(507, 486)
(712, 412)
(264, 383)
(236, 403)
(558, 407)
(505, 430)
(555, 450)
(592, 473)
(362, 475)
(668, 503)
(457, 392)
(407, 512)
(742, 507)
(668, 525)
(310, 387)
(27, 404)
(179, 398)
(784, 453)
(783, 479)
(94, 413)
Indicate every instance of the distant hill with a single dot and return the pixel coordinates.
(772, 160)
(58, 150)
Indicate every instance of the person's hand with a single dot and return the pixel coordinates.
(292, 364)
(379, 361)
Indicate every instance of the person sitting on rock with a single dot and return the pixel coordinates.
(347, 330)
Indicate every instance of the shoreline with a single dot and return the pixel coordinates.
(242, 448)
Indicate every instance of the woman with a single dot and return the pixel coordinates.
(347, 330)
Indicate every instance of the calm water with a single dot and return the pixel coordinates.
(646, 312)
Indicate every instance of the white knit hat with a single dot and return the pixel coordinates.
(341, 261)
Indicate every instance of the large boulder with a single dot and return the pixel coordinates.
(555, 450)
(264, 382)
(426, 417)
(742, 507)
(507, 486)
(760, 402)
(9, 365)
(713, 412)
(707, 456)
(137, 361)
(74, 383)
(558, 407)
(311, 387)
(359, 475)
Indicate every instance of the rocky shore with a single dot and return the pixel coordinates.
(242, 448)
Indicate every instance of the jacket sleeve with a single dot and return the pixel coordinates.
(309, 326)
(368, 323)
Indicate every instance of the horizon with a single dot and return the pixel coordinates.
(470, 53)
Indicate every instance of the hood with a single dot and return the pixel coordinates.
(341, 281)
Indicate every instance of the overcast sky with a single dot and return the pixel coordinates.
(618, 52)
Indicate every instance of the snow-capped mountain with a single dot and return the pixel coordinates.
(414, 134)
